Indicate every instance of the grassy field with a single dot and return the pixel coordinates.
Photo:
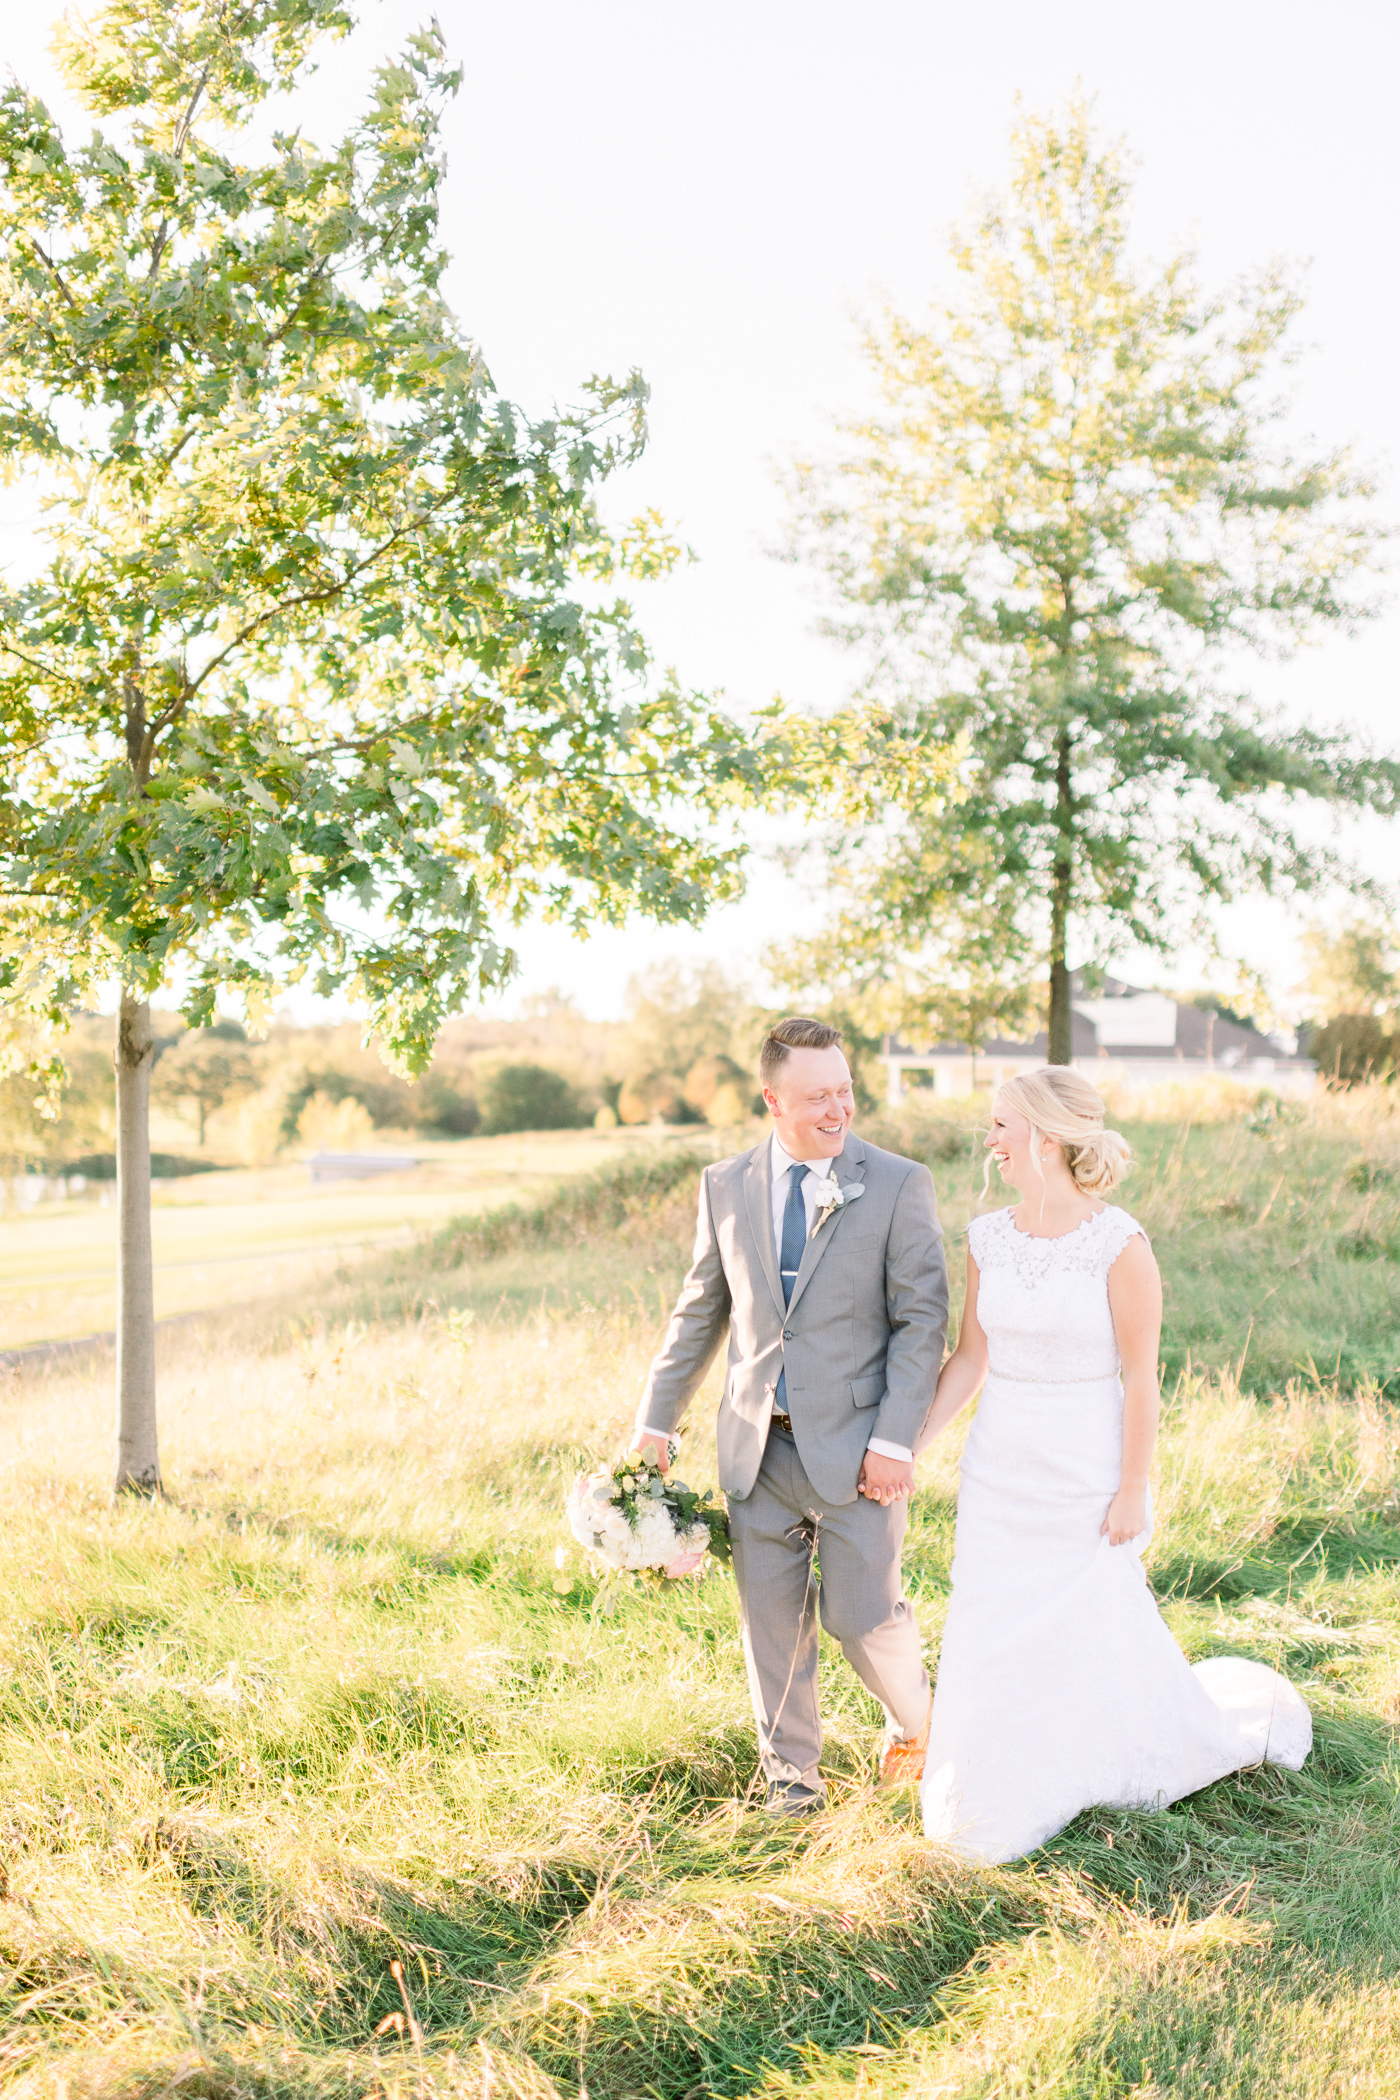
(322, 1778)
(236, 1237)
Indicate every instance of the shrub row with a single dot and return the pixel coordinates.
(594, 1203)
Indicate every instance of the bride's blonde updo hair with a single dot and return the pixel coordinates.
(1060, 1104)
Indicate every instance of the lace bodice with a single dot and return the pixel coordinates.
(1043, 1303)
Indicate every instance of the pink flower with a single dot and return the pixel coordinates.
(684, 1564)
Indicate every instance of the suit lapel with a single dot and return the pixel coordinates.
(758, 1203)
(844, 1170)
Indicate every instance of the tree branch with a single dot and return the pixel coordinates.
(181, 133)
(54, 272)
(45, 670)
(321, 597)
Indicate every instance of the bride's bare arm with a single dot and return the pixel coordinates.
(961, 1377)
(1135, 1301)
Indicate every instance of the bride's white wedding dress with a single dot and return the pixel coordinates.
(1059, 1687)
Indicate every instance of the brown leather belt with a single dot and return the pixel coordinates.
(783, 1422)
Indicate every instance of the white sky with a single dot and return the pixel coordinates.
(710, 193)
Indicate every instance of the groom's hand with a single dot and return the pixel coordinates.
(884, 1480)
(658, 1450)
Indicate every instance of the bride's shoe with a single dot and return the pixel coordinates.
(902, 1762)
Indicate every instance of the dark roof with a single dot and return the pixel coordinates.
(1200, 1033)
(1084, 1042)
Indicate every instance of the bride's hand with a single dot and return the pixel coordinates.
(1127, 1516)
(884, 1480)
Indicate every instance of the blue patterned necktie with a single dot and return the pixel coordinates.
(790, 1256)
(794, 1229)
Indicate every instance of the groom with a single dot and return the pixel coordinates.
(822, 1257)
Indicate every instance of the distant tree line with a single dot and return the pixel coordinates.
(1353, 986)
(686, 1053)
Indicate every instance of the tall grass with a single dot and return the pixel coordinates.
(323, 1778)
(607, 1201)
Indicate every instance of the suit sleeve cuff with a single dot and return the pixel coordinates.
(662, 1436)
(882, 1449)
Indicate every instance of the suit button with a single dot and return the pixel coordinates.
(787, 1334)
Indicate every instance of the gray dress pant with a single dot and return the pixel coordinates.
(781, 1528)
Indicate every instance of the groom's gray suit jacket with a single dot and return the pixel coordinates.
(862, 1340)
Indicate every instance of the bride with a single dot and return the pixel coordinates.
(1059, 1687)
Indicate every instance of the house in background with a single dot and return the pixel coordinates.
(1130, 1037)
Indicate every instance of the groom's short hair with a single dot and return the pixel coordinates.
(797, 1032)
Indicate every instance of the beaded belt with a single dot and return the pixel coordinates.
(1088, 1378)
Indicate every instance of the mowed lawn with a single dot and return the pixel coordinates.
(326, 1777)
(236, 1237)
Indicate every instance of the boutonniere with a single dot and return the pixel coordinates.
(831, 1197)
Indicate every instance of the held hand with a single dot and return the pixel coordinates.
(657, 1449)
(1127, 1516)
(884, 1480)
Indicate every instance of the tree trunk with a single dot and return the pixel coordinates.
(1061, 1025)
(138, 1464)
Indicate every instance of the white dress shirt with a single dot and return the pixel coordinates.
(780, 1161)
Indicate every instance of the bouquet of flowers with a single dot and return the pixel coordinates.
(635, 1518)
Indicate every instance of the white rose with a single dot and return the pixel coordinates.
(655, 1541)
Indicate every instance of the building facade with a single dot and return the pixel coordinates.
(1120, 1034)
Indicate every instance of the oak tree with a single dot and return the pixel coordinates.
(320, 670)
(206, 1070)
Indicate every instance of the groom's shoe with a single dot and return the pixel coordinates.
(792, 1797)
(902, 1763)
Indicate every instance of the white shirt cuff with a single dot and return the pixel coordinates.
(881, 1449)
(662, 1436)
